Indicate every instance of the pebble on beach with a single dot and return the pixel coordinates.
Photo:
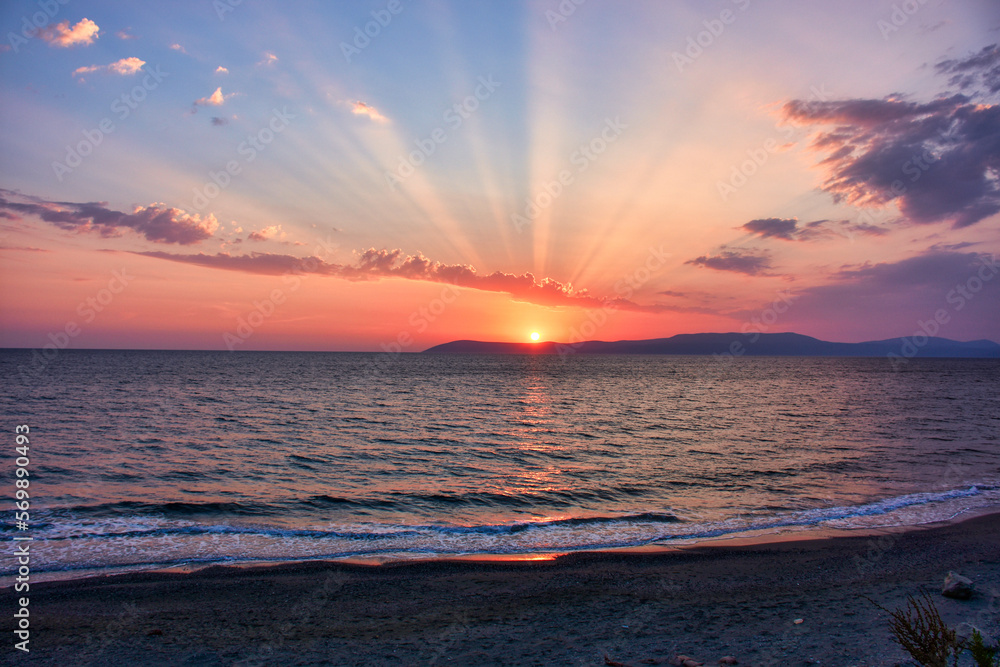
(685, 661)
(956, 586)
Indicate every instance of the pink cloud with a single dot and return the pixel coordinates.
(271, 232)
(123, 67)
(361, 109)
(62, 35)
(215, 99)
(375, 264)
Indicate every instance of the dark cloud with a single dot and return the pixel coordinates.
(218, 121)
(750, 262)
(976, 72)
(788, 229)
(22, 248)
(898, 295)
(779, 228)
(937, 160)
(375, 264)
(157, 222)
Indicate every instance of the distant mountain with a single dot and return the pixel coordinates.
(737, 344)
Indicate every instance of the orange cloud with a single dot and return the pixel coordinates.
(361, 109)
(375, 264)
(124, 67)
(273, 231)
(62, 35)
(215, 99)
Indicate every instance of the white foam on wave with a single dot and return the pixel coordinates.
(113, 544)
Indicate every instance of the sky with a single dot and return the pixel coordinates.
(391, 175)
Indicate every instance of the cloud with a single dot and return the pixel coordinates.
(22, 248)
(178, 47)
(781, 228)
(61, 35)
(750, 262)
(124, 34)
(156, 222)
(221, 70)
(899, 295)
(126, 66)
(215, 99)
(218, 121)
(271, 232)
(375, 264)
(938, 161)
(361, 109)
(80, 71)
(788, 229)
(978, 71)
(123, 67)
(268, 59)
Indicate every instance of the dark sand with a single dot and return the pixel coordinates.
(705, 602)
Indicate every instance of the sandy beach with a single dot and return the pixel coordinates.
(708, 601)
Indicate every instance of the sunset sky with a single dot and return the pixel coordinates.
(263, 176)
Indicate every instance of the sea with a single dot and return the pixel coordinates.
(174, 459)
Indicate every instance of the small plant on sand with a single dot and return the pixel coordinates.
(981, 653)
(918, 628)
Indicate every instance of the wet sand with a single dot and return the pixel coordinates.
(708, 601)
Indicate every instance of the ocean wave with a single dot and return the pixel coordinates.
(66, 542)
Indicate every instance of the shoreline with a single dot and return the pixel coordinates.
(754, 537)
(736, 597)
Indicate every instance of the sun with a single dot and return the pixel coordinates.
(535, 335)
